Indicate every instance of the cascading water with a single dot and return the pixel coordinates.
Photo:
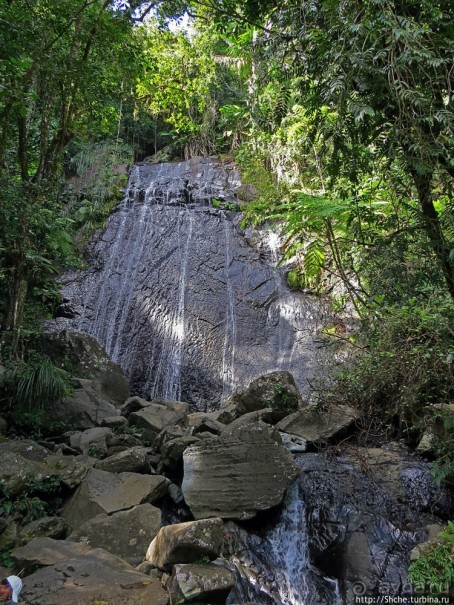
(180, 299)
(278, 562)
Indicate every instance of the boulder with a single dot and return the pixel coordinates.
(276, 390)
(236, 476)
(114, 422)
(264, 415)
(46, 527)
(246, 192)
(429, 543)
(86, 357)
(186, 543)
(91, 441)
(16, 471)
(156, 416)
(195, 419)
(103, 492)
(172, 451)
(10, 535)
(316, 425)
(179, 407)
(124, 440)
(93, 578)
(202, 423)
(170, 432)
(133, 404)
(131, 460)
(71, 470)
(82, 410)
(27, 448)
(40, 552)
(126, 534)
(293, 443)
(200, 583)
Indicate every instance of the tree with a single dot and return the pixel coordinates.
(177, 81)
(385, 68)
(64, 61)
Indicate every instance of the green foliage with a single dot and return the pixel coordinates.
(98, 183)
(27, 386)
(270, 191)
(441, 424)
(177, 80)
(433, 572)
(295, 280)
(203, 560)
(366, 102)
(406, 368)
(6, 559)
(95, 451)
(65, 69)
(281, 399)
(39, 498)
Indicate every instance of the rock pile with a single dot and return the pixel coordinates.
(119, 465)
(130, 470)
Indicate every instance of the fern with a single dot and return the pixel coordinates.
(33, 384)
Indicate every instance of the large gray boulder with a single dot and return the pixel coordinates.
(71, 470)
(87, 358)
(172, 451)
(186, 543)
(126, 534)
(27, 448)
(200, 584)
(92, 441)
(276, 390)
(46, 527)
(43, 551)
(92, 578)
(103, 492)
(155, 416)
(236, 476)
(132, 460)
(101, 387)
(84, 409)
(16, 471)
(316, 425)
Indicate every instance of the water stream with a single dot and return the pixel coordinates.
(275, 567)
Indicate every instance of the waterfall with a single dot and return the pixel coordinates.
(288, 546)
(172, 387)
(275, 567)
(228, 357)
(180, 298)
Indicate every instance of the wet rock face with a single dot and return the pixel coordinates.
(365, 513)
(179, 298)
(347, 529)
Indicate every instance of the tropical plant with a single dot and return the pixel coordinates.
(433, 572)
(32, 384)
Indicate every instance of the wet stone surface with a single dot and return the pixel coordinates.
(180, 299)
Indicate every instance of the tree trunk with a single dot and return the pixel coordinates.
(17, 296)
(434, 229)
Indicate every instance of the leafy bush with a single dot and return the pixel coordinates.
(29, 385)
(434, 571)
(97, 184)
(443, 445)
(403, 371)
(30, 504)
